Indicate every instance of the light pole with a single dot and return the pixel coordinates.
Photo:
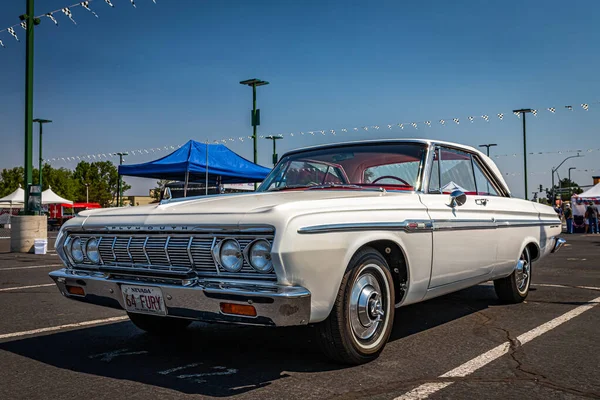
(255, 113)
(120, 185)
(556, 169)
(41, 122)
(274, 138)
(524, 111)
(87, 192)
(30, 22)
(487, 147)
(570, 173)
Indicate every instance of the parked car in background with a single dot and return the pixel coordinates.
(337, 236)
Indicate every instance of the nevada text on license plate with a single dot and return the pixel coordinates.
(143, 299)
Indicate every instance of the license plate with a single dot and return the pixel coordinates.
(143, 299)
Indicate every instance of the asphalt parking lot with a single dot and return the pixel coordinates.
(464, 345)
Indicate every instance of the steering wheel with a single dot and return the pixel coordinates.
(392, 177)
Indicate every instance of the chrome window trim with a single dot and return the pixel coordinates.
(502, 191)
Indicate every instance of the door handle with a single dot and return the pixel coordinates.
(481, 202)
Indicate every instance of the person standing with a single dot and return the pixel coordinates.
(592, 213)
(569, 218)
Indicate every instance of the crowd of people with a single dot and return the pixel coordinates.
(590, 219)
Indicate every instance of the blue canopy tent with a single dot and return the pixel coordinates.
(199, 162)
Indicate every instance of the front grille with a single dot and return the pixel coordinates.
(176, 253)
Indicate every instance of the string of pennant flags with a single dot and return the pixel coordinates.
(335, 132)
(65, 10)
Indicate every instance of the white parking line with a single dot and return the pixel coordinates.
(31, 267)
(61, 327)
(25, 287)
(565, 286)
(423, 391)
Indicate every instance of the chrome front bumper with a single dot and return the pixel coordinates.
(200, 300)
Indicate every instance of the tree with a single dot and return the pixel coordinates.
(103, 180)
(10, 180)
(566, 189)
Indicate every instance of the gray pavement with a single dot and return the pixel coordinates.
(116, 360)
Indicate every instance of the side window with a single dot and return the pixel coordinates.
(484, 186)
(456, 171)
(434, 178)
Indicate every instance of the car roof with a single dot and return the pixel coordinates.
(383, 141)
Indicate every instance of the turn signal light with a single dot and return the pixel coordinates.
(76, 290)
(238, 309)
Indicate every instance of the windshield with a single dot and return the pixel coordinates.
(390, 166)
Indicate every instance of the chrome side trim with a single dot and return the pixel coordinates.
(408, 226)
(414, 226)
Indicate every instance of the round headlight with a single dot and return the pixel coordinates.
(91, 250)
(230, 255)
(259, 256)
(77, 250)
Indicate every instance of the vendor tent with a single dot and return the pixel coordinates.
(199, 162)
(18, 196)
(49, 197)
(580, 201)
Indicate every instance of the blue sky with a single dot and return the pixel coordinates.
(161, 74)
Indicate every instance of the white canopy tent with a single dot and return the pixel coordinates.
(49, 197)
(579, 202)
(18, 196)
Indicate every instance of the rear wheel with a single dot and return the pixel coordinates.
(361, 320)
(159, 325)
(515, 287)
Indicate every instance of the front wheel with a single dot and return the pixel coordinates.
(362, 317)
(515, 287)
(159, 325)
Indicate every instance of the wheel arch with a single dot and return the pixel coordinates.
(534, 248)
(395, 256)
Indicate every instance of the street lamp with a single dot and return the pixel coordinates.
(87, 192)
(119, 194)
(41, 122)
(487, 146)
(254, 83)
(524, 111)
(570, 173)
(556, 169)
(274, 138)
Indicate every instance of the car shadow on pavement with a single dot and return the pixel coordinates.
(219, 360)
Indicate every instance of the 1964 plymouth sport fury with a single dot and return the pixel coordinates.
(337, 236)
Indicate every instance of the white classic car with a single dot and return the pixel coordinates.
(337, 236)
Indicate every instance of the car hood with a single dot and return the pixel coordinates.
(230, 209)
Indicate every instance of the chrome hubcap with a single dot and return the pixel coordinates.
(366, 306)
(522, 274)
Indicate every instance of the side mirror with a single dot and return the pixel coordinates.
(457, 198)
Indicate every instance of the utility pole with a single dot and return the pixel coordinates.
(255, 113)
(41, 122)
(274, 138)
(120, 185)
(30, 21)
(524, 111)
(487, 147)
(87, 192)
